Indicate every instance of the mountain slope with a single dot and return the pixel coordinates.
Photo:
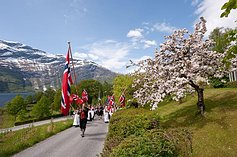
(23, 68)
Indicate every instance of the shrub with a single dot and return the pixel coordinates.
(137, 132)
(129, 122)
(231, 84)
(217, 82)
(36, 120)
(156, 142)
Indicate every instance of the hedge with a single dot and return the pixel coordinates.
(36, 120)
(137, 132)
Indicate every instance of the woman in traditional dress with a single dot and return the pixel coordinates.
(83, 118)
(76, 120)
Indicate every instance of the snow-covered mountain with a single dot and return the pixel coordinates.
(25, 68)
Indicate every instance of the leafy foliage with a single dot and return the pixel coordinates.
(16, 105)
(228, 6)
(123, 83)
(156, 142)
(57, 100)
(220, 38)
(218, 82)
(42, 108)
(92, 87)
(231, 84)
(137, 132)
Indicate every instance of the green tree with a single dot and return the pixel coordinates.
(93, 88)
(29, 99)
(225, 41)
(16, 105)
(220, 38)
(38, 96)
(107, 89)
(227, 7)
(42, 108)
(22, 115)
(57, 100)
(49, 93)
(222, 41)
(123, 83)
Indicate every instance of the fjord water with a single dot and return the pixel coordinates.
(6, 97)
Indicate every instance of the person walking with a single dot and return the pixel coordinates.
(76, 120)
(83, 119)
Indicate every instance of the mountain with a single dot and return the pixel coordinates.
(23, 68)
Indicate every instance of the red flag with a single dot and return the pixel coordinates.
(122, 101)
(111, 100)
(76, 98)
(84, 96)
(66, 84)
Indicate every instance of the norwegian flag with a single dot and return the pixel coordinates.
(84, 96)
(66, 84)
(76, 99)
(122, 100)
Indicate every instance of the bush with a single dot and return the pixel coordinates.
(36, 120)
(217, 82)
(137, 132)
(129, 122)
(231, 84)
(155, 142)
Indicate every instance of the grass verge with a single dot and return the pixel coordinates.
(14, 142)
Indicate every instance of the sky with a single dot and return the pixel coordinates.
(108, 32)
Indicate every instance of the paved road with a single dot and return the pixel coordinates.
(69, 143)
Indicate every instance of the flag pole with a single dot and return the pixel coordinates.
(75, 79)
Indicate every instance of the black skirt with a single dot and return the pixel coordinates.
(83, 123)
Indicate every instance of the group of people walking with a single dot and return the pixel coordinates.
(83, 113)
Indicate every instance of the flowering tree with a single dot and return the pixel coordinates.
(183, 65)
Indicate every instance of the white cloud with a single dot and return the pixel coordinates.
(109, 53)
(138, 39)
(164, 27)
(149, 43)
(83, 56)
(93, 57)
(137, 33)
(79, 55)
(211, 11)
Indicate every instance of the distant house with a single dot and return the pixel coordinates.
(233, 75)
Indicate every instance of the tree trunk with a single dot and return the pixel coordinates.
(200, 103)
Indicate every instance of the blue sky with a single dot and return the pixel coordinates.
(109, 32)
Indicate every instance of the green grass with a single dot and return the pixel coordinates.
(13, 142)
(215, 134)
(6, 120)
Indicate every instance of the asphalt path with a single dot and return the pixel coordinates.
(69, 143)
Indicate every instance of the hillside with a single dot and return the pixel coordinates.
(23, 68)
(212, 135)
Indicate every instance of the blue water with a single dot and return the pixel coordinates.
(6, 97)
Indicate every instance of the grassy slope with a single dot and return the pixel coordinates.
(16, 141)
(6, 120)
(215, 134)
